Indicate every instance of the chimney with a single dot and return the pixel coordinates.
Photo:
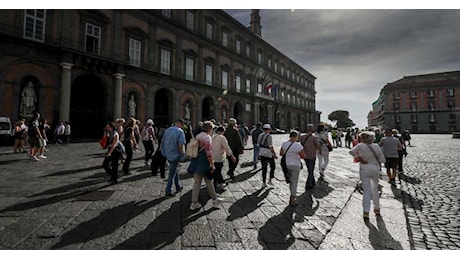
(255, 22)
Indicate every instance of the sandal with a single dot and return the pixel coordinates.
(366, 215)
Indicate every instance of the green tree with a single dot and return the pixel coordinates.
(341, 118)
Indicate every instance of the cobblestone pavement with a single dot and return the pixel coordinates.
(430, 189)
(43, 206)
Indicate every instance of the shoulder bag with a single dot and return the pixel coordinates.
(284, 165)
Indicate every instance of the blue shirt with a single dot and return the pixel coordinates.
(172, 137)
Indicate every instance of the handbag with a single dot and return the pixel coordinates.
(103, 142)
(192, 148)
(284, 166)
(329, 146)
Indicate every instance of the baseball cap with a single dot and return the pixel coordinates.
(267, 126)
(149, 122)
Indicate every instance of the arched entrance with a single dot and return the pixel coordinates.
(238, 112)
(162, 116)
(207, 110)
(87, 107)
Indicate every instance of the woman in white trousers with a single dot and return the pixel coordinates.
(370, 157)
(323, 157)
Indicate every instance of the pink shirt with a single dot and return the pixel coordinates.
(205, 142)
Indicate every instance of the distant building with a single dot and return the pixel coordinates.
(422, 104)
(92, 66)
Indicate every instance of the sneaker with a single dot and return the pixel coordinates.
(169, 195)
(180, 188)
(35, 158)
(195, 206)
(42, 156)
(215, 203)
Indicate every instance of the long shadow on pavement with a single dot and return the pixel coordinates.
(106, 223)
(245, 175)
(73, 171)
(247, 204)
(277, 232)
(380, 238)
(163, 231)
(407, 199)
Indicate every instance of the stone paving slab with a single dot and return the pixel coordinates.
(39, 210)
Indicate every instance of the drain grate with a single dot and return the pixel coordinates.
(96, 196)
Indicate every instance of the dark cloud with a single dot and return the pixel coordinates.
(354, 53)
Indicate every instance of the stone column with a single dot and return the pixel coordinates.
(256, 112)
(118, 92)
(64, 102)
(270, 114)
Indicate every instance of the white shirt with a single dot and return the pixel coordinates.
(292, 155)
(219, 147)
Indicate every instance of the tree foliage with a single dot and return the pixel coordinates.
(342, 119)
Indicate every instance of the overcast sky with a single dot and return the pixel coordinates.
(354, 53)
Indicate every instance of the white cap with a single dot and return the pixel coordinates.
(149, 122)
(267, 126)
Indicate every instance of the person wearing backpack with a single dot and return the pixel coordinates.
(254, 135)
(267, 154)
(148, 137)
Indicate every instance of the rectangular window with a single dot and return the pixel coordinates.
(288, 74)
(208, 74)
(413, 107)
(209, 28)
(188, 68)
(248, 107)
(93, 36)
(431, 106)
(165, 66)
(248, 50)
(259, 88)
(276, 66)
(413, 94)
(450, 92)
(397, 118)
(282, 70)
(430, 93)
(248, 85)
(166, 13)
(224, 39)
(395, 95)
(224, 79)
(34, 24)
(238, 46)
(432, 118)
(269, 63)
(259, 58)
(134, 52)
(451, 105)
(238, 83)
(190, 20)
(413, 118)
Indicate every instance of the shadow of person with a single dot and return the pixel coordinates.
(407, 199)
(247, 204)
(276, 234)
(379, 237)
(106, 223)
(409, 179)
(165, 228)
(321, 189)
(245, 175)
(305, 206)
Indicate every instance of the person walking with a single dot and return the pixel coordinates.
(220, 148)
(323, 156)
(390, 146)
(254, 135)
(267, 154)
(148, 139)
(172, 147)
(293, 151)
(67, 132)
(402, 152)
(311, 147)
(234, 141)
(370, 157)
(202, 167)
(18, 137)
(129, 142)
(110, 163)
(35, 136)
